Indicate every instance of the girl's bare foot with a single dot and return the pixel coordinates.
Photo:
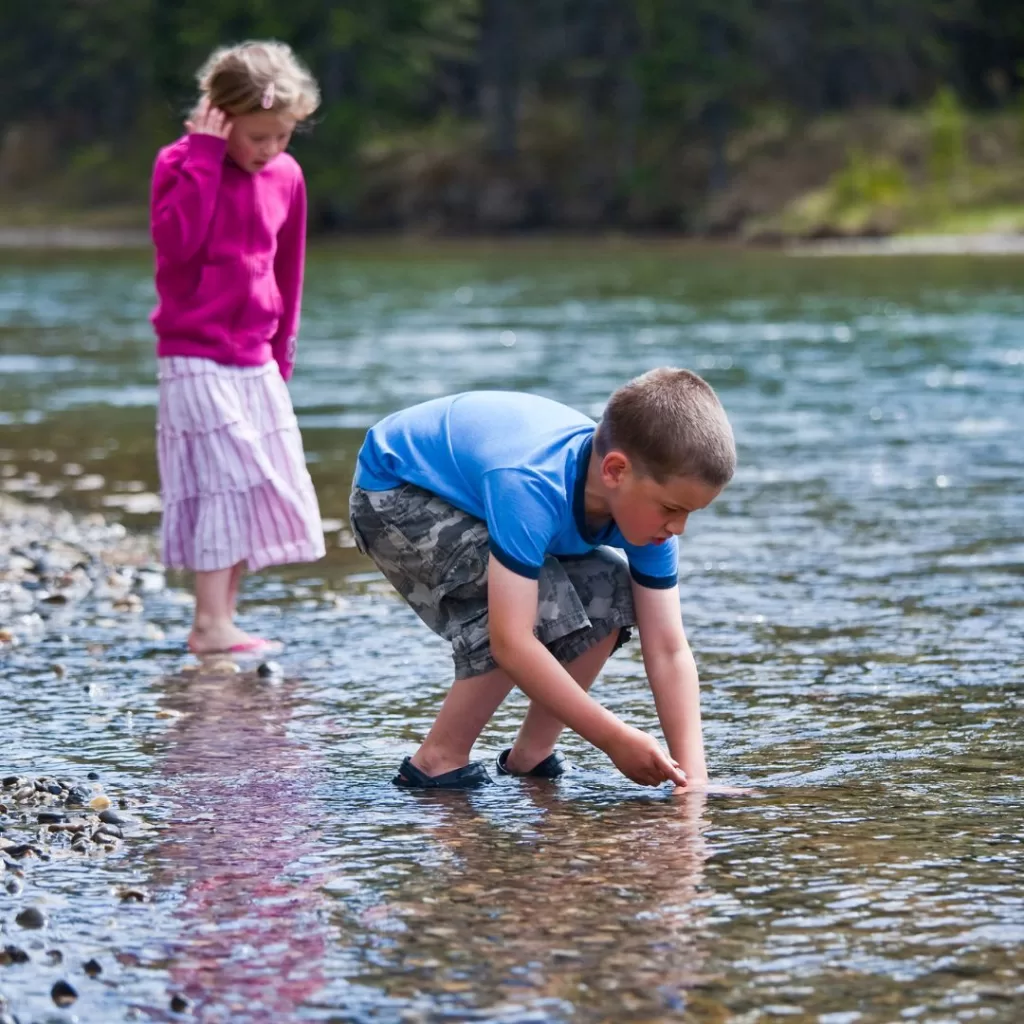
(221, 638)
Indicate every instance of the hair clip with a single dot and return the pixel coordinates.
(267, 99)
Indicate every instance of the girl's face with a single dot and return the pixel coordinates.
(258, 138)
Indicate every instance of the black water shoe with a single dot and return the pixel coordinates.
(551, 767)
(469, 776)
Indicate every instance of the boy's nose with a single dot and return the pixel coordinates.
(677, 526)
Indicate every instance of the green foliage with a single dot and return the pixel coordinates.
(946, 135)
(112, 79)
(867, 181)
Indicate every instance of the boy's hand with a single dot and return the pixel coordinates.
(208, 120)
(643, 759)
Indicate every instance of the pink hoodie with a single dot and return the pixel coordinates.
(229, 255)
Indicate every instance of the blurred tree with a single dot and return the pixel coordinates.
(627, 81)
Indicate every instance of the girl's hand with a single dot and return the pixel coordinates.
(209, 120)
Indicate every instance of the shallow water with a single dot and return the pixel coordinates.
(854, 600)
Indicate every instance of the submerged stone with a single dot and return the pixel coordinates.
(179, 1004)
(31, 917)
(63, 994)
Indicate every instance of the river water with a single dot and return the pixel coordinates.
(854, 601)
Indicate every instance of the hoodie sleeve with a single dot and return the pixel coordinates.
(184, 195)
(288, 270)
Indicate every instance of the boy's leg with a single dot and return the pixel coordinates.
(466, 710)
(540, 729)
(471, 704)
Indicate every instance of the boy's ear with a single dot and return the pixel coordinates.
(614, 467)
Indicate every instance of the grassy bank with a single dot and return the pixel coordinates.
(865, 174)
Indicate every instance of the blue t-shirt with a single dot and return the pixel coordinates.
(519, 462)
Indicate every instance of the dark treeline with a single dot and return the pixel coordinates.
(489, 112)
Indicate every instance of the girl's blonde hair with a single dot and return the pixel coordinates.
(256, 76)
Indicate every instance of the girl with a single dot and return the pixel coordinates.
(229, 226)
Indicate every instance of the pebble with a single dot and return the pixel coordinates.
(222, 668)
(112, 818)
(179, 1004)
(13, 955)
(99, 803)
(93, 775)
(92, 968)
(78, 797)
(132, 896)
(63, 994)
(51, 817)
(31, 917)
(270, 670)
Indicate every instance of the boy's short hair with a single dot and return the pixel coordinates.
(669, 423)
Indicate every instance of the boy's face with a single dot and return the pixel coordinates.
(645, 511)
(256, 139)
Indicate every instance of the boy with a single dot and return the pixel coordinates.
(492, 514)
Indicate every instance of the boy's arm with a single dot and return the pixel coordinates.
(512, 612)
(288, 268)
(672, 673)
(184, 197)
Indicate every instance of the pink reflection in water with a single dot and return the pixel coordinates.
(251, 944)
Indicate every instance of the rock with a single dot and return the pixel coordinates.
(221, 668)
(63, 994)
(13, 955)
(179, 1004)
(270, 670)
(92, 968)
(132, 896)
(31, 917)
(13, 886)
(78, 797)
(22, 850)
(128, 603)
(93, 775)
(55, 955)
(112, 818)
(99, 803)
(51, 817)
(10, 781)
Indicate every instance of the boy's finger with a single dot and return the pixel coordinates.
(672, 771)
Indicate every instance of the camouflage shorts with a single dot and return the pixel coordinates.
(435, 556)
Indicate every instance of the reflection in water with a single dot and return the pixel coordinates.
(577, 905)
(250, 940)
